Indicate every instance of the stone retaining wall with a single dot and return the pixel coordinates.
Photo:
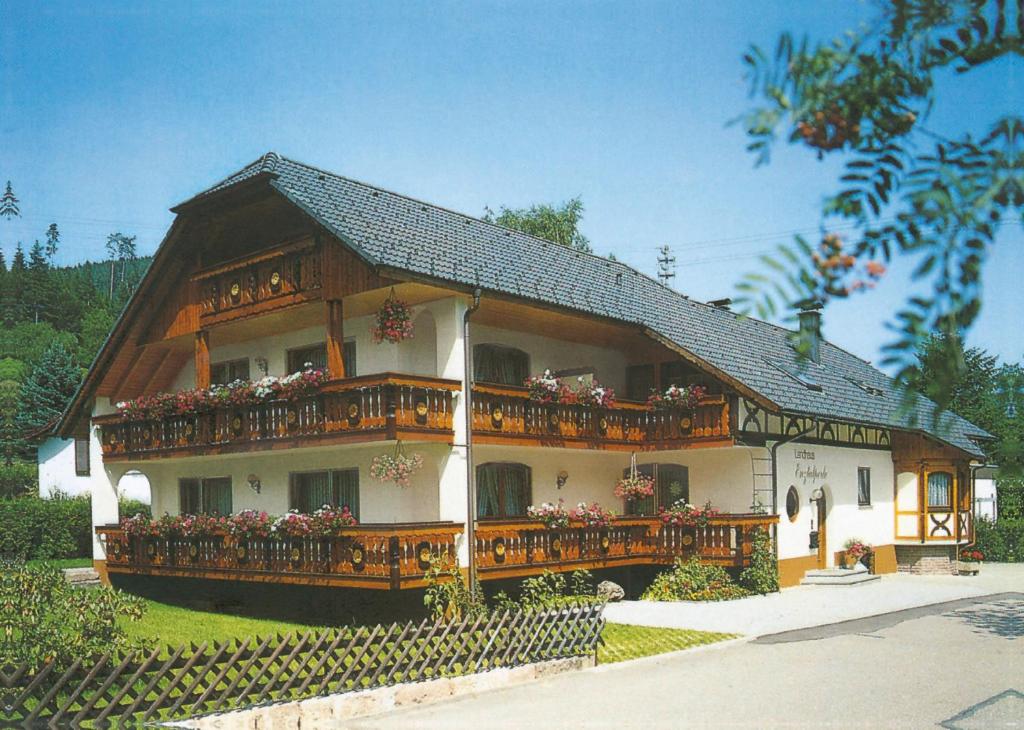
(328, 711)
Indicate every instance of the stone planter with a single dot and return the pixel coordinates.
(965, 568)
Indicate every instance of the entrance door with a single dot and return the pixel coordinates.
(822, 542)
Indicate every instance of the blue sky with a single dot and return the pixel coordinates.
(111, 113)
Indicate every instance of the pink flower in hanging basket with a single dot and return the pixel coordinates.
(638, 486)
(394, 322)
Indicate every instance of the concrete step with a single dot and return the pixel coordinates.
(837, 577)
(82, 577)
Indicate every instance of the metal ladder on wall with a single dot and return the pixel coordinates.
(761, 471)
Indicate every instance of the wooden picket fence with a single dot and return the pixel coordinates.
(176, 683)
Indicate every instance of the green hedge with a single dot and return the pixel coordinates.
(19, 478)
(1002, 541)
(45, 529)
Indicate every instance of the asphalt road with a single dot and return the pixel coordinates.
(956, 665)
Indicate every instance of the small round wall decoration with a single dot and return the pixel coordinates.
(275, 280)
(236, 290)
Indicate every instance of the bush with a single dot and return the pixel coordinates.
(132, 507)
(45, 529)
(1002, 541)
(549, 590)
(20, 478)
(763, 574)
(47, 621)
(691, 580)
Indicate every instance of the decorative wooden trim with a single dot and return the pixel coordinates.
(335, 337)
(267, 254)
(202, 359)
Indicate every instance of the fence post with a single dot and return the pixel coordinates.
(390, 412)
(739, 545)
(395, 562)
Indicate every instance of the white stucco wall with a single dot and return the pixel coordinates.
(985, 501)
(834, 470)
(56, 458)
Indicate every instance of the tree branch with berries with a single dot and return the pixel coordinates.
(905, 189)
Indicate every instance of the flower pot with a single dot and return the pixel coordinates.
(965, 568)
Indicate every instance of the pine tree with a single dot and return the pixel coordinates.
(19, 259)
(9, 203)
(3, 262)
(36, 258)
(52, 239)
(48, 388)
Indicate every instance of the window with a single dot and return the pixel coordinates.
(792, 503)
(210, 496)
(674, 373)
(316, 355)
(639, 382)
(311, 490)
(863, 486)
(82, 457)
(940, 491)
(502, 490)
(222, 373)
(500, 365)
(671, 484)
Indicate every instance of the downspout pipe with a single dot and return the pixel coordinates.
(467, 400)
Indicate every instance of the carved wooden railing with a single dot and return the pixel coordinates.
(386, 406)
(506, 412)
(292, 272)
(511, 548)
(385, 556)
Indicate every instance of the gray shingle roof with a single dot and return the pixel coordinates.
(394, 230)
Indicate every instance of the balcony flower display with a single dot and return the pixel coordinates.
(329, 521)
(394, 322)
(591, 515)
(249, 524)
(397, 467)
(239, 393)
(547, 388)
(635, 486)
(675, 397)
(594, 394)
(295, 524)
(552, 515)
(682, 514)
(197, 526)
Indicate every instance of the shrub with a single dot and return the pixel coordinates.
(1002, 541)
(45, 529)
(691, 580)
(548, 590)
(20, 478)
(447, 595)
(763, 574)
(47, 621)
(132, 507)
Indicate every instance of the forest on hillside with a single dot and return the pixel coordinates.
(55, 318)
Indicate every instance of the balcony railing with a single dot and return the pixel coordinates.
(506, 414)
(393, 556)
(387, 556)
(375, 407)
(512, 548)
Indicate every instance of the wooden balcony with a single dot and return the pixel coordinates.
(368, 408)
(278, 277)
(395, 556)
(514, 548)
(390, 556)
(506, 415)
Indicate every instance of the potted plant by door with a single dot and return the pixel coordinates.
(854, 551)
(969, 562)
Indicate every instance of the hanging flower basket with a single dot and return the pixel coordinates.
(639, 486)
(394, 321)
(397, 467)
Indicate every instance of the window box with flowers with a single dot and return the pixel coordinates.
(683, 514)
(548, 389)
(552, 515)
(969, 562)
(679, 398)
(591, 515)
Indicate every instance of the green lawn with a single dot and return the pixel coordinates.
(63, 563)
(625, 641)
(167, 624)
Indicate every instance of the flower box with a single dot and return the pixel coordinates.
(964, 567)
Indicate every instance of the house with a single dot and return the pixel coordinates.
(283, 267)
(65, 467)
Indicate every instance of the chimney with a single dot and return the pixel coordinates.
(810, 329)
